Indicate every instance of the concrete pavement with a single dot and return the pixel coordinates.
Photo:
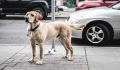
(18, 60)
(103, 58)
(7, 51)
(14, 57)
(63, 14)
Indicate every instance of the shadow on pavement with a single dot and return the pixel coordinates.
(115, 43)
(78, 42)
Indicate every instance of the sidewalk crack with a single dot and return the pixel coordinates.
(86, 58)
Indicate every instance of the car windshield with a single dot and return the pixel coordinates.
(115, 6)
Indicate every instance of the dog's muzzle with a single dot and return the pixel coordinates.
(26, 20)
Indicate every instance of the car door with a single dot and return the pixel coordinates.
(116, 16)
(24, 4)
(11, 6)
(115, 22)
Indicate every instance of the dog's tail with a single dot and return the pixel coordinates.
(77, 26)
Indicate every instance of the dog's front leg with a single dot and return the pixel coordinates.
(41, 54)
(33, 50)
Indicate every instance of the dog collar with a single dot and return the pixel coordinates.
(34, 28)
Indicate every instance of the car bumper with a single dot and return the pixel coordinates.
(76, 33)
(78, 8)
(116, 34)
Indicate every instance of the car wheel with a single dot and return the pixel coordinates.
(41, 11)
(97, 34)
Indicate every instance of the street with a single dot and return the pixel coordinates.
(15, 50)
(13, 30)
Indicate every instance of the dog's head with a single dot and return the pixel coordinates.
(32, 17)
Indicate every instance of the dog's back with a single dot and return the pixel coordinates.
(56, 28)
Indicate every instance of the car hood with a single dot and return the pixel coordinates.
(90, 11)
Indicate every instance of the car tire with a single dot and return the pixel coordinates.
(97, 34)
(41, 11)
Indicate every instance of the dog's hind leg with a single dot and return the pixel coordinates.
(69, 46)
(33, 50)
(66, 49)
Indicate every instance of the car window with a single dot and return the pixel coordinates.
(115, 6)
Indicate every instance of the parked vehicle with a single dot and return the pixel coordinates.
(62, 8)
(93, 3)
(102, 24)
(23, 6)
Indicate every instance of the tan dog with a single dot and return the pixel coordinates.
(40, 32)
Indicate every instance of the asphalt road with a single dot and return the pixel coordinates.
(13, 31)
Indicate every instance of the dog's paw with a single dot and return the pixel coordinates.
(70, 59)
(64, 56)
(31, 60)
(39, 62)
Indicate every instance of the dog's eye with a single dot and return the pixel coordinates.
(32, 15)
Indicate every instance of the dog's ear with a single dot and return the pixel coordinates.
(38, 17)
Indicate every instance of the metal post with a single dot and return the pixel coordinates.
(52, 50)
(53, 19)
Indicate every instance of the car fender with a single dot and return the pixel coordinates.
(92, 20)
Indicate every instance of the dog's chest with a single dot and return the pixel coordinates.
(31, 34)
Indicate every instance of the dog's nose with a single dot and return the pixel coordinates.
(26, 19)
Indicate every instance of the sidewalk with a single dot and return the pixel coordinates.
(63, 14)
(85, 58)
(18, 60)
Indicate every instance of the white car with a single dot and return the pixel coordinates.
(103, 24)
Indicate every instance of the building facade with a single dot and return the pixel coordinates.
(67, 3)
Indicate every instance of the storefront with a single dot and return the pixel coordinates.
(67, 3)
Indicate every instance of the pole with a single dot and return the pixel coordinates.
(53, 19)
(52, 50)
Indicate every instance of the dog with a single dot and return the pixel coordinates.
(39, 32)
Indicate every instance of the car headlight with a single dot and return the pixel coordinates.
(74, 19)
(68, 20)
